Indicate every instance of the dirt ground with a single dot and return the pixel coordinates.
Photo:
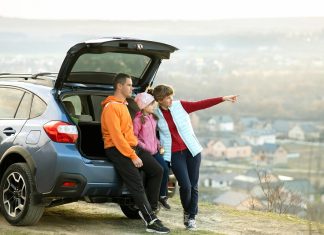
(85, 218)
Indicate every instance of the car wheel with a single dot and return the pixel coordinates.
(16, 190)
(130, 211)
(172, 185)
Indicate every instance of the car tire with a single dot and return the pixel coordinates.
(172, 185)
(16, 189)
(130, 211)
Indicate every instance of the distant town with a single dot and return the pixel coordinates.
(254, 164)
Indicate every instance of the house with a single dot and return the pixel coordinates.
(219, 180)
(228, 149)
(270, 154)
(244, 183)
(281, 128)
(304, 132)
(301, 187)
(296, 133)
(222, 123)
(259, 137)
(238, 200)
(246, 123)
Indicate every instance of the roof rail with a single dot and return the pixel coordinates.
(26, 76)
(46, 75)
(15, 75)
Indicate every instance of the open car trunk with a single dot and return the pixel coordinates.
(87, 75)
(91, 142)
(85, 111)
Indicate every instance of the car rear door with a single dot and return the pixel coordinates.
(95, 63)
(14, 111)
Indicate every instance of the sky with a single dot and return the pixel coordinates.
(159, 9)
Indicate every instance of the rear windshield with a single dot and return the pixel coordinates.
(101, 68)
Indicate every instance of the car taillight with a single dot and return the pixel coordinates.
(61, 132)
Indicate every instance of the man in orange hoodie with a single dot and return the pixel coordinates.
(121, 148)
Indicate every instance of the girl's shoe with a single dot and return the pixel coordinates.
(164, 202)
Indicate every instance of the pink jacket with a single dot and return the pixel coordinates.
(146, 133)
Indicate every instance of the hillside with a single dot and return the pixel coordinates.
(83, 218)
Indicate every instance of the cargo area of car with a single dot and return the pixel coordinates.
(89, 123)
(91, 142)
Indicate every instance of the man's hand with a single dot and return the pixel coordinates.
(137, 162)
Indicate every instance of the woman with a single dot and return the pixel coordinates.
(181, 146)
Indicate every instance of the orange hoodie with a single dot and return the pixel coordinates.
(117, 126)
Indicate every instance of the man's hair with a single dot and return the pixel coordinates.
(162, 91)
(120, 79)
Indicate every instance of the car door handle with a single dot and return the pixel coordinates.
(9, 131)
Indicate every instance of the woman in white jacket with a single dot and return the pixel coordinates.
(181, 146)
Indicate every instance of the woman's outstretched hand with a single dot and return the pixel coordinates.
(231, 98)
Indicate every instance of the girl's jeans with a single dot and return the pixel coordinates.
(165, 178)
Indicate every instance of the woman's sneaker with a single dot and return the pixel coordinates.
(156, 226)
(191, 224)
(164, 202)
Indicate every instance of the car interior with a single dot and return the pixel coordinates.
(85, 111)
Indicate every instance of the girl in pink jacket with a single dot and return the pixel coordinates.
(144, 124)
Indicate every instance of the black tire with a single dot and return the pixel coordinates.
(16, 188)
(172, 185)
(130, 211)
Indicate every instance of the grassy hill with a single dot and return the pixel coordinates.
(84, 218)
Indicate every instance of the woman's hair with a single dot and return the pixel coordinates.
(161, 91)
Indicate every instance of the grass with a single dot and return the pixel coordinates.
(85, 216)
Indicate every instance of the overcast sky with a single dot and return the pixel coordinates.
(159, 9)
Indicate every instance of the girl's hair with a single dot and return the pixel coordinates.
(161, 91)
(143, 117)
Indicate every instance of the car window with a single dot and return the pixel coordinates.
(96, 102)
(9, 100)
(108, 64)
(24, 107)
(38, 107)
(76, 101)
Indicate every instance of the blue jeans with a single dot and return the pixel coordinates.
(165, 177)
(186, 170)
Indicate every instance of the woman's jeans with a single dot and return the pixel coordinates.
(165, 178)
(186, 170)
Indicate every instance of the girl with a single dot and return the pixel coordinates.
(145, 123)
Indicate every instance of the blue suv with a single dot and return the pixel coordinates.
(51, 148)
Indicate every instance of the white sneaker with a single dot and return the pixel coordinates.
(191, 224)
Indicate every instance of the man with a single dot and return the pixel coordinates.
(121, 148)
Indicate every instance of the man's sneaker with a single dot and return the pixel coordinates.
(191, 224)
(156, 226)
(142, 217)
(185, 218)
(164, 202)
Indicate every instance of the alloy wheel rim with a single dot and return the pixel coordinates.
(14, 194)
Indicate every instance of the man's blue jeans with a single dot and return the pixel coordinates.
(186, 169)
